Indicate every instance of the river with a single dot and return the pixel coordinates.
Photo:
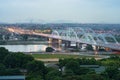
(25, 48)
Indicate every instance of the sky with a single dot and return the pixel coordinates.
(53, 11)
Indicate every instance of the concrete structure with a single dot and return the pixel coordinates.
(77, 35)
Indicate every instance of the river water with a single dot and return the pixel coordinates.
(25, 48)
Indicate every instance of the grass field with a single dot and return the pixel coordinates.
(52, 56)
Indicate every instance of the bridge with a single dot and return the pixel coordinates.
(78, 35)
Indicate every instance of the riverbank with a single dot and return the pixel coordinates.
(55, 57)
(15, 42)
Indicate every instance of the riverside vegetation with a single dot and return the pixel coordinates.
(68, 68)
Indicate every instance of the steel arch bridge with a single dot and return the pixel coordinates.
(87, 36)
(77, 34)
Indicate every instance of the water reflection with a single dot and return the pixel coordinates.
(25, 48)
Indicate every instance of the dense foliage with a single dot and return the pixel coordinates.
(68, 69)
(49, 49)
(17, 60)
(3, 53)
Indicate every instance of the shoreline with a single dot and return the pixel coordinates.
(22, 42)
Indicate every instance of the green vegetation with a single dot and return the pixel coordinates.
(49, 49)
(46, 56)
(36, 69)
(89, 47)
(25, 37)
(68, 68)
(114, 60)
(3, 53)
(17, 60)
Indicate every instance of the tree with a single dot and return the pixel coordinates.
(25, 37)
(12, 72)
(61, 64)
(111, 72)
(69, 72)
(17, 60)
(83, 71)
(92, 77)
(73, 77)
(86, 61)
(5, 71)
(54, 75)
(72, 65)
(3, 53)
(34, 77)
(49, 49)
(2, 69)
(89, 47)
(117, 77)
(36, 68)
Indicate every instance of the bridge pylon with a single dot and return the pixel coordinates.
(55, 43)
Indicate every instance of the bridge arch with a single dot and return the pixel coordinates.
(55, 33)
(85, 35)
(72, 34)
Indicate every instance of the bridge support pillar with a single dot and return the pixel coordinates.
(56, 43)
(50, 42)
(77, 45)
(59, 44)
(96, 50)
(67, 44)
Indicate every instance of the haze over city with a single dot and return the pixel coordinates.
(60, 11)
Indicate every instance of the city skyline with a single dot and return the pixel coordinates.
(49, 11)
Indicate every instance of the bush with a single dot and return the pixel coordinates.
(3, 53)
(17, 60)
(49, 49)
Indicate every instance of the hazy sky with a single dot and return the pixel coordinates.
(80, 11)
